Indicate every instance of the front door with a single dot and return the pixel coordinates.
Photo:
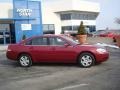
(60, 52)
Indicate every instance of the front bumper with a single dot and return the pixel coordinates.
(102, 57)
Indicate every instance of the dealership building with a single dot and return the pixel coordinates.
(30, 18)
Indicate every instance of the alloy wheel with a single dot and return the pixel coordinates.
(86, 60)
(25, 60)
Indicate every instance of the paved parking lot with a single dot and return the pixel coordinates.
(105, 76)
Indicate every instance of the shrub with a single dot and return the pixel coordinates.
(81, 29)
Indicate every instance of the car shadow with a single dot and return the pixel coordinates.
(7, 63)
(56, 64)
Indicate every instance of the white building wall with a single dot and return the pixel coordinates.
(67, 5)
(6, 10)
(82, 5)
(49, 17)
(51, 12)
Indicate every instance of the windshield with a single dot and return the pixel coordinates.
(71, 40)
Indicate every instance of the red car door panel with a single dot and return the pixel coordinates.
(63, 54)
(41, 53)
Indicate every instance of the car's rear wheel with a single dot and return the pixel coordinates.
(86, 60)
(25, 60)
(114, 39)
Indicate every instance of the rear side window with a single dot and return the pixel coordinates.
(38, 41)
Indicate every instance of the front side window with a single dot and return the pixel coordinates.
(56, 41)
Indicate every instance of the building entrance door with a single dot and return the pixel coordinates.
(7, 34)
(4, 37)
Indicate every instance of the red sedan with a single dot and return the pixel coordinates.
(55, 48)
(107, 34)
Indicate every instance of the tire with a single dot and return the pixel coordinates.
(86, 60)
(114, 40)
(25, 60)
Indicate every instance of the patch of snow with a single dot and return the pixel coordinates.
(107, 45)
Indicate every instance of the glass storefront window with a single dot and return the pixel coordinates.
(45, 27)
(66, 16)
(48, 27)
(75, 28)
(79, 16)
(51, 27)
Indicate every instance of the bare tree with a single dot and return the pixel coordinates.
(117, 20)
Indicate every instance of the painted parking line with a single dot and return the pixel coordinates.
(72, 86)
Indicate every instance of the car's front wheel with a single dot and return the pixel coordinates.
(86, 60)
(25, 60)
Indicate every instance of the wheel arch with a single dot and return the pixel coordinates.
(85, 52)
(26, 54)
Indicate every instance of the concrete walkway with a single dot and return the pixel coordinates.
(3, 47)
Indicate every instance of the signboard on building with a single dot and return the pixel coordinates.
(26, 27)
(24, 12)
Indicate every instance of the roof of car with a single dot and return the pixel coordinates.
(45, 35)
(48, 35)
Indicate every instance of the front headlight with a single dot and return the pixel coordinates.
(101, 50)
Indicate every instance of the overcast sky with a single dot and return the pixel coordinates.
(110, 10)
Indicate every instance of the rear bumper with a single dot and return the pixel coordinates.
(11, 55)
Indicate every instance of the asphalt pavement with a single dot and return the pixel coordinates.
(104, 76)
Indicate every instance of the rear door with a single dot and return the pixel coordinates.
(39, 49)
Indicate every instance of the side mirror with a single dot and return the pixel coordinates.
(66, 45)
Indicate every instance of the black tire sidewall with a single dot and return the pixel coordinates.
(89, 54)
(30, 60)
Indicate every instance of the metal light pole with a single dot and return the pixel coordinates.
(4, 37)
